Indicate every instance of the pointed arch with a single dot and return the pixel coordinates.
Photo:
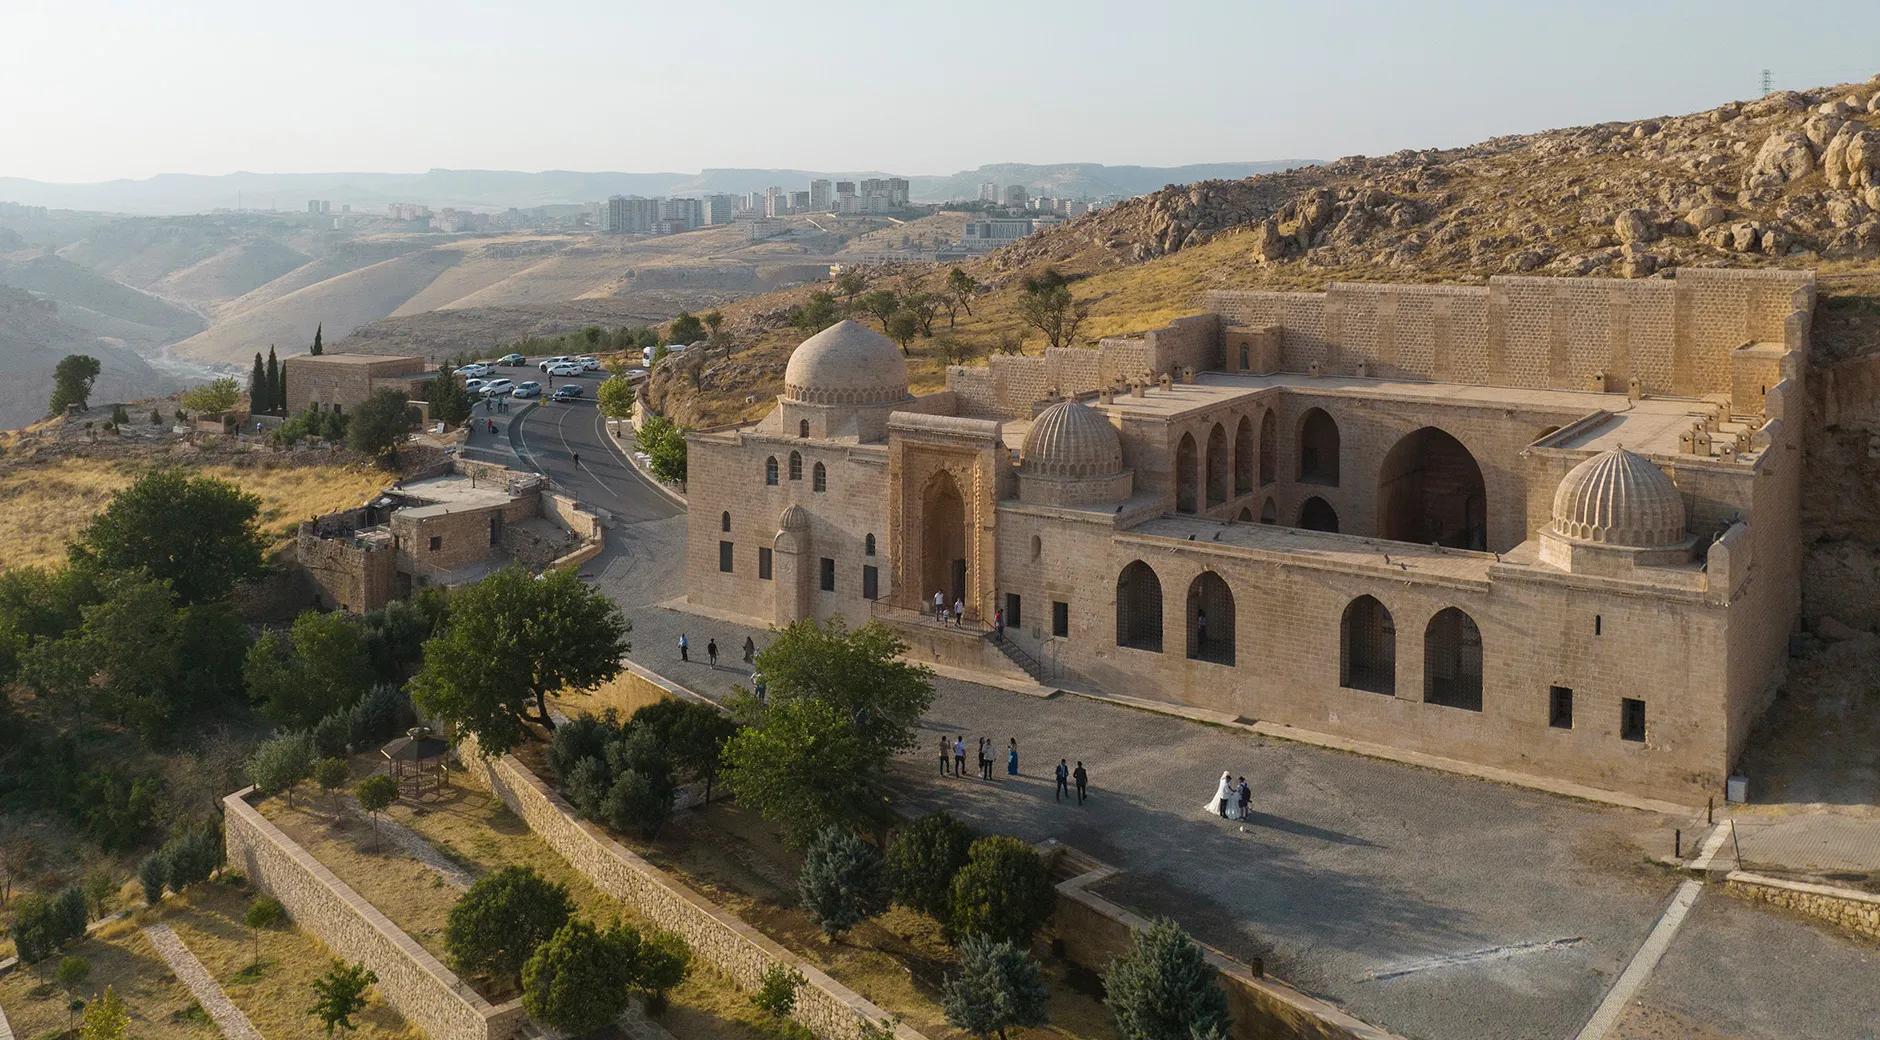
(1316, 514)
(1210, 619)
(1430, 490)
(1269, 512)
(1139, 608)
(1187, 475)
(1367, 647)
(1318, 448)
(770, 471)
(1269, 448)
(1452, 661)
(796, 466)
(1220, 465)
(1243, 456)
(819, 478)
(724, 521)
(868, 545)
(802, 427)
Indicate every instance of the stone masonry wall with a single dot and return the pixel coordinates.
(423, 990)
(1857, 912)
(829, 1009)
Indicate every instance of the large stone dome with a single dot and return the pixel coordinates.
(1072, 440)
(1618, 498)
(846, 363)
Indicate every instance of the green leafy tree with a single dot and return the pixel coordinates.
(663, 963)
(496, 926)
(152, 875)
(38, 605)
(686, 328)
(638, 802)
(799, 766)
(263, 912)
(380, 424)
(214, 397)
(121, 661)
(843, 882)
(448, 400)
(73, 971)
(260, 389)
(339, 994)
(997, 987)
(119, 416)
(318, 347)
(41, 925)
(105, 1018)
(277, 378)
(959, 291)
(816, 313)
(99, 885)
(331, 774)
(376, 793)
(902, 327)
(384, 713)
(693, 735)
(615, 395)
(776, 991)
(1003, 891)
(320, 667)
(714, 320)
(71, 383)
(578, 980)
(1046, 304)
(1163, 988)
(956, 351)
(330, 735)
(663, 441)
(924, 306)
(881, 304)
(849, 284)
(922, 859)
(510, 641)
(192, 855)
(199, 534)
(280, 763)
(859, 672)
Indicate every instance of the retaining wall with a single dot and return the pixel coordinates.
(718, 938)
(429, 995)
(1855, 911)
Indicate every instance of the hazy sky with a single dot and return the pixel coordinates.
(93, 91)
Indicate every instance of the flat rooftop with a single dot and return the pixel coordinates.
(355, 359)
(1347, 552)
(453, 493)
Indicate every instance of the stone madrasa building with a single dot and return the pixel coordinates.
(1547, 525)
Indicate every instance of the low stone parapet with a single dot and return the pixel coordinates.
(1845, 908)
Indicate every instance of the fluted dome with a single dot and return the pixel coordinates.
(1070, 439)
(795, 518)
(846, 363)
(1621, 499)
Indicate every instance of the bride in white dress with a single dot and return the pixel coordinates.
(1223, 793)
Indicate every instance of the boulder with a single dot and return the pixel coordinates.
(1820, 129)
(1844, 210)
(1640, 265)
(1633, 225)
(1873, 104)
(1775, 241)
(1704, 217)
(1744, 236)
(1784, 156)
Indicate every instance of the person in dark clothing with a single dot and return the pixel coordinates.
(685, 647)
(750, 650)
(1243, 794)
(577, 459)
(1083, 781)
(711, 651)
(946, 756)
(1063, 774)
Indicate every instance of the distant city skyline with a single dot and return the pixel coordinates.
(110, 90)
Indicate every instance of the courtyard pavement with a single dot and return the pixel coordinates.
(1433, 905)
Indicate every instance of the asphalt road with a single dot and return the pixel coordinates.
(551, 436)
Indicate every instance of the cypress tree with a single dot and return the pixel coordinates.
(276, 398)
(259, 388)
(280, 393)
(316, 340)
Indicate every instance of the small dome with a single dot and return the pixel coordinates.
(795, 518)
(846, 363)
(1619, 498)
(1070, 439)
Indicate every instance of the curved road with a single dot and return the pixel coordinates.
(551, 435)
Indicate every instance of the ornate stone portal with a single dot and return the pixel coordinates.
(943, 491)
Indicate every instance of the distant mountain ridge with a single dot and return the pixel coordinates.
(176, 193)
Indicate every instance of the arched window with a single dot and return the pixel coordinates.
(802, 428)
(770, 471)
(1139, 608)
(1210, 619)
(796, 466)
(724, 521)
(868, 546)
(820, 478)
(1318, 448)
(1452, 661)
(1243, 456)
(1037, 547)
(1220, 465)
(1246, 515)
(1187, 476)
(1269, 448)
(1316, 514)
(1430, 491)
(1367, 648)
(1269, 513)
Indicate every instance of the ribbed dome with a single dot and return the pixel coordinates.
(795, 518)
(1619, 498)
(846, 363)
(1070, 439)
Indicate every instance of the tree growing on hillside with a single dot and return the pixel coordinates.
(685, 329)
(1046, 304)
(199, 534)
(339, 994)
(922, 858)
(277, 378)
(495, 927)
(997, 987)
(214, 397)
(318, 348)
(881, 304)
(956, 351)
(958, 292)
(260, 389)
(380, 424)
(447, 398)
(105, 1018)
(663, 441)
(510, 641)
(924, 306)
(71, 382)
(376, 793)
(714, 320)
(1163, 988)
(1003, 891)
(815, 314)
(849, 285)
(843, 882)
(902, 327)
(579, 979)
(281, 762)
(319, 667)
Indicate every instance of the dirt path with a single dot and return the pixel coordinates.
(208, 992)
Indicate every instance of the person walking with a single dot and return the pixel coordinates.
(711, 651)
(988, 754)
(1063, 774)
(998, 624)
(1011, 758)
(750, 650)
(685, 646)
(959, 756)
(980, 757)
(946, 756)
(1083, 781)
(939, 606)
(577, 460)
(959, 613)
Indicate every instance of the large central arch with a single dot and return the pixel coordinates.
(1430, 490)
(1139, 608)
(943, 548)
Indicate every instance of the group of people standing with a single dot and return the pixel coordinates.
(940, 613)
(711, 649)
(953, 752)
(1231, 797)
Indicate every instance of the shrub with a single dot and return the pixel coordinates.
(153, 874)
(664, 960)
(120, 417)
(844, 881)
(339, 994)
(998, 986)
(579, 738)
(776, 993)
(498, 923)
(586, 786)
(73, 971)
(192, 856)
(1163, 988)
(637, 802)
(1002, 892)
(922, 859)
(577, 980)
(331, 734)
(280, 763)
(331, 774)
(105, 1018)
(383, 713)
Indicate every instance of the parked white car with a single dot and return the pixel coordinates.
(566, 368)
(497, 387)
(558, 359)
(474, 386)
(589, 363)
(475, 368)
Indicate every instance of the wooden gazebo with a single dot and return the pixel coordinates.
(416, 761)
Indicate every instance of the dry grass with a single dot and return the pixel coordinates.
(160, 1007)
(43, 506)
(625, 693)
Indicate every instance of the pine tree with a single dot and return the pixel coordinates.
(1164, 988)
(316, 351)
(997, 986)
(259, 388)
(844, 880)
(277, 397)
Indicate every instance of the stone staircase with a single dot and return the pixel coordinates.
(1039, 672)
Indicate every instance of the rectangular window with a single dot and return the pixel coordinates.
(1014, 613)
(871, 582)
(1631, 719)
(724, 557)
(1560, 707)
(1596, 624)
(1060, 619)
(437, 542)
(763, 563)
(828, 574)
